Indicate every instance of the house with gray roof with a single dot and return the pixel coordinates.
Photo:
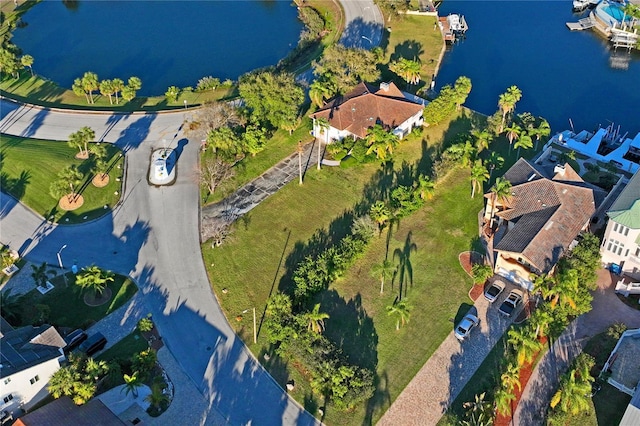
(28, 358)
(539, 220)
(621, 244)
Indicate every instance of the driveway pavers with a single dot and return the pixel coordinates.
(448, 370)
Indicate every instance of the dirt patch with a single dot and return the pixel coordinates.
(71, 202)
(98, 299)
(100, 181)
(82, 155)
(476, 291)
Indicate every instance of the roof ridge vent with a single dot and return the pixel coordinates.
(532, 177)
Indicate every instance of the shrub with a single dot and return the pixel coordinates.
(144, 362)
(145, 324)
(615, 330)
(207, 83)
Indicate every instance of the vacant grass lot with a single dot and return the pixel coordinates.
(262, 253)
(66, 305)
(28, 166)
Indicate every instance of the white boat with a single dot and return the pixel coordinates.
(580, 5)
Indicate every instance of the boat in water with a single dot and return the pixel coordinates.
(453, 27)
(581, 5)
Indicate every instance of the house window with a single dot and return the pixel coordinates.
(7, 380)
(638, 252)
(621, 229)
(615, 246)
(615, 227)
(8, 398)
(34, 379)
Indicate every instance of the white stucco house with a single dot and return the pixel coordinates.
(621, 242)
(365, 106)
(28, 358)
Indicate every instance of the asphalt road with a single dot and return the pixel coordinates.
(153, 236)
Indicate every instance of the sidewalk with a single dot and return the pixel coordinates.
(544, 380)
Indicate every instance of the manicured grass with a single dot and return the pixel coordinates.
(413, 37)
(67, 308)
(125, 348)
(28, 166)
(260, 256)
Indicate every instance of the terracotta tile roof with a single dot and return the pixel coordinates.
(63, 411)
(367, 105)
(546, 214)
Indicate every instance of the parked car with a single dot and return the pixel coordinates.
(73, 339)
(93, 344)
(511, 303)
(468, 323)
(494, 291)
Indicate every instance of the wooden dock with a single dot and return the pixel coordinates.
(582, 24)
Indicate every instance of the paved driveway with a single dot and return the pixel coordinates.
(448, 370)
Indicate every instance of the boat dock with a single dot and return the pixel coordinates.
(453, 26)
(582, 24)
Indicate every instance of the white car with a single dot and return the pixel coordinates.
(511, 303)
(494, 291)
(468, 323)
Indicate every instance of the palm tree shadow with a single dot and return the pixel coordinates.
(405, 268)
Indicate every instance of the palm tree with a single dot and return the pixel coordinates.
(81, 139)
(106, 89)
(41, 274)
(90, 83)
(117, 85)
(478, 412)
(131, 384)
(78, 88)
(525, 342)
(402, 310)
(94, 279)
(541, 319)
(525, 142)
(68, 180)
(507, 102)
(95, 369)
(494, 161)
(479, 175)
(324, 126)
(406, 69)
(315, 319)
(461, 88)
(573, 395)
(482, 138)
(157, 398)
(27, 61)
(543, 130)
(513, 132)
(503, 399)
(383, 270)
(380, 141)
(481, 272)
(425, 186)
(500, 191)
(62, 382)
(510, 378)
(380, 214)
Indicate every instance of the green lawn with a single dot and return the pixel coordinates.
(261, 254)
(28, 166)
(125, 349)
(66, 305)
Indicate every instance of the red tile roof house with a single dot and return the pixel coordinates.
(357, 111)
(540, 220)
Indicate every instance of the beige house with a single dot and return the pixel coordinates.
(541, 219)
(365, 106)
(621, 242)
(29, 357)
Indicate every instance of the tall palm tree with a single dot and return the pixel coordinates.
(482, 138)
(573, 395)
(524, 141)
(493, 161)
(78, 88)
(94, 279)
(510, 378)
(380, 214)
(401, 310)
(69, 179)
(315, 319)
(525, 342)
(90, 83)
(383, 270)
(407, 69)
(507, 102)
(106, 89)
(27, 61)
(80, 140)
(380, 141)
(541, 318)
(500, 191)
(157, 398)
(543, 130)
(479, 175)
(425, 186)
(117, 85)
(41, 274)
(513, 132)
(131, 384)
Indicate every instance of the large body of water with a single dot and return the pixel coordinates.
(562, 74)
(165, 43)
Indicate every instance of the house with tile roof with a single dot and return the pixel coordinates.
(63, 412)
(621, 242)
(539, 221)
(356, 112)
(28, 358)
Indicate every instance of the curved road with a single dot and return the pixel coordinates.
(153, 236)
